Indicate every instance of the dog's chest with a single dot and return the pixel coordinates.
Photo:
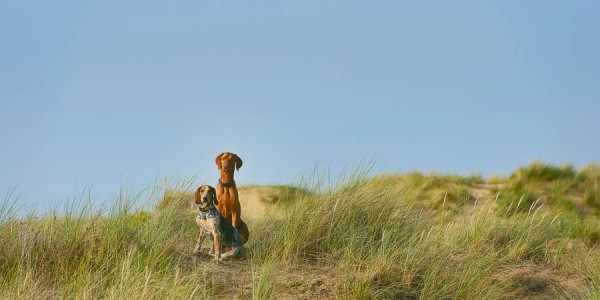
(208, 221)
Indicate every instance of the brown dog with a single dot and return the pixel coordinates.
(227, 193)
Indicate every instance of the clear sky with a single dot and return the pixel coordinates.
(110, 93)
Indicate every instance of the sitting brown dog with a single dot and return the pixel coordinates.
(227, 193)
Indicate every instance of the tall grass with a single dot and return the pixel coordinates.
(400, 236)
(590, 176)
(79, 252)
(562, 188)
(375, 232)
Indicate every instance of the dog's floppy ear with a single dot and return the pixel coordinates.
(218, 160)
(238, 162)
(214, 195)
(197, 196)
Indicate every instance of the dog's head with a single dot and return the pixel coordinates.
(226, 162)
(205, 196)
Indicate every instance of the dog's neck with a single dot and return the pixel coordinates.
(226, 179)
(205, 209)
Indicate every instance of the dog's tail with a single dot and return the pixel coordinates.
(244, 231)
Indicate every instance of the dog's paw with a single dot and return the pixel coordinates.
(228, 254)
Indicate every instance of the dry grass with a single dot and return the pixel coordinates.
(398, 236)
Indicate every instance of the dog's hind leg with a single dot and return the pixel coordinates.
(231, 251)
(235, 246)
(243, 231)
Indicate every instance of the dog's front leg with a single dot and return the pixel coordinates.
(217, 245)
(199, 242)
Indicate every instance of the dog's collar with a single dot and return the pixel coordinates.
(227, 184)
(206, 208)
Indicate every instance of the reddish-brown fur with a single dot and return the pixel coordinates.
(229, 202)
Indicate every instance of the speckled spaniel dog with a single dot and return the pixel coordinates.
(212, 223)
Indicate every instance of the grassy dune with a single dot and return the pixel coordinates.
(532, 235)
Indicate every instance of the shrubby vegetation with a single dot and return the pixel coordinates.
(535, 233)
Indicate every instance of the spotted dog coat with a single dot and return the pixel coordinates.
(212, 220)
(212, 223)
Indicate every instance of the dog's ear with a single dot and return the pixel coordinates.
(218, 160)
(197, 196)
(214, 195)
(238, 162)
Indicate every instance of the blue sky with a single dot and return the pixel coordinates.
(107, 94)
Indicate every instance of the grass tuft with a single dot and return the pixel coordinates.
(534, 234)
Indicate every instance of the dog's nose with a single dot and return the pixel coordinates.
(205, 198)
